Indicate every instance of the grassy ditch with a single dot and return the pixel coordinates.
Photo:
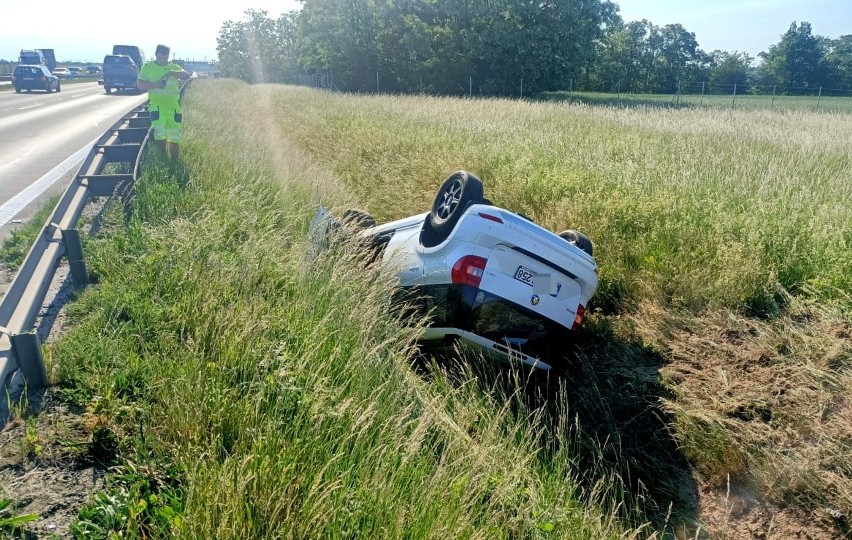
(244, 388)
(721, 330)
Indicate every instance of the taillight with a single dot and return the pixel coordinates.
(578, 318)
(468, 270)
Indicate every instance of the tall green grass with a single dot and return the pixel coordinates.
(694, 208)
(271, 394)
(255, 391)
(741, 102)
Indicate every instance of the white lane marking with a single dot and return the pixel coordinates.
(29, 107)
(25, 197)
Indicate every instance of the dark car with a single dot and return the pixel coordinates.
(31, 77)
(120, 72)
(93, 70)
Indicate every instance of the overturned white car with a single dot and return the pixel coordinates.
(483, 275)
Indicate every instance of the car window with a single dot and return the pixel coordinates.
(494, 318)
(27, 70)
(117, 61)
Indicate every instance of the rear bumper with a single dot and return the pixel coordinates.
(492, 324)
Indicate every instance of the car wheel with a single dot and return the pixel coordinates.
(578, 239)
(458, 191)
(358, 218)
(17, 90)
(58, 87)
(107, 89)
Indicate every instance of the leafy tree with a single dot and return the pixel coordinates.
(447, 42)
(626, 58)
(728, 69)
(796, 61)
(839, 62)
(259, 49)
(339, 36)
(677, 59)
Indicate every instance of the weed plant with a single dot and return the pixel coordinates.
(15, 248)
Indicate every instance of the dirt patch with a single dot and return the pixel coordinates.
(45, 467)
(737, 512)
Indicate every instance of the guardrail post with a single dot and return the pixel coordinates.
(27, 350)
(74, 252)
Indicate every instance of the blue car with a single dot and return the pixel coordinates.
(32, 77)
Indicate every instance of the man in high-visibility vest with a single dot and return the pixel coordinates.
(161, 80)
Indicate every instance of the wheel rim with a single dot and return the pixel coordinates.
(450, 200)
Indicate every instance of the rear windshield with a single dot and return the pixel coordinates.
(117, 61)
(130, 50)
(28, 70)
(494, 318)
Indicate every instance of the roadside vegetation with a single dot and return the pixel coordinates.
(243, 385)
(740, 102)
(15, 248)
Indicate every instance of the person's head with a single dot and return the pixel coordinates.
(162, 54)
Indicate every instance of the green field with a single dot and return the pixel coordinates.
(257, 392)
(743, 102)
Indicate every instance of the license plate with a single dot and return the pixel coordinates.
(525, 275)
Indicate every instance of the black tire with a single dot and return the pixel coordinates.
(358, 218)
(578, 239)
(107, 89)
(17, 90)
(58, 87)
(458, 191)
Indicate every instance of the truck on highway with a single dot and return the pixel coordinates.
(134, 52)
(38, 57)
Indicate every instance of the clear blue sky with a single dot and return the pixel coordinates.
(86, 30)
(749, 26)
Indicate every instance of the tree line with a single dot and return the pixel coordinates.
(506, 47)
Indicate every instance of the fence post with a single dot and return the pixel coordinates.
(678, 93)
(701, 102)
(772, 106)
(618, 89)
(522, 88)
(421, 84)
(734, 100)
(377, 82)
(819, 97)
(470, 87)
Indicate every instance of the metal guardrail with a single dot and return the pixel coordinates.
(20, 348)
